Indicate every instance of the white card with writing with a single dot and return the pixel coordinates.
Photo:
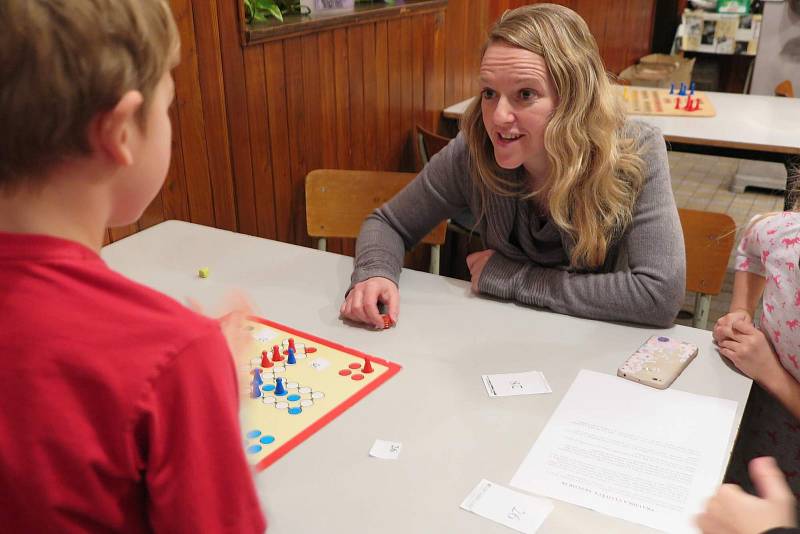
(504, 385)
(386, 450)
(263, 335)
(513, 509)
(320, 364)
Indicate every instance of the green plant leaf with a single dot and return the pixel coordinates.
(276, 12)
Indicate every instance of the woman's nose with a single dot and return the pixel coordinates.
(503, 113)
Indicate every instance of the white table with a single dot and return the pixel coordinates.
(452, 433)
(756, 127)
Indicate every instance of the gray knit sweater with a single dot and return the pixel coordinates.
(642, 280)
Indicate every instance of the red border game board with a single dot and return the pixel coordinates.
(319, 380)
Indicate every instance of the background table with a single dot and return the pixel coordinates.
(452, 433)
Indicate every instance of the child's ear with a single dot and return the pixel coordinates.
(111, 133)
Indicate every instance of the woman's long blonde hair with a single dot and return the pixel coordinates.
(595, 173)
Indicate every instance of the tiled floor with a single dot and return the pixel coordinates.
(701, 182)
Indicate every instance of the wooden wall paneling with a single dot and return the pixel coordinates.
(342, 84)
(370, 96)
(343, 137)
(279, 137)
(395, 94)
(312, 136)
(355, 68)
(174, 191)
(120, 232)
(214, 113)
(241, 84)
(383, 124)
(192, 123)
(327, 104)
(456, 44)
(477, 24)
(406, 123)
(153, 214)
(255, 189)
(433, 67)
(418, 83)
(295, 118)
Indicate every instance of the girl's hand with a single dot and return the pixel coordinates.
(723, 329)
(361, 304)
(732, 511)
(751, 352)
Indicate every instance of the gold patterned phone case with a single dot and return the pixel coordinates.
(658, 362)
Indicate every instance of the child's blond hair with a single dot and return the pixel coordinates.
(64, 61)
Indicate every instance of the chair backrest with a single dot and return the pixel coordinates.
(709, 240)
(429, 143)
(784, 89)
(338, 201)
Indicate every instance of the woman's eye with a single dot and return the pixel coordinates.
(487, 94)
(527, 94)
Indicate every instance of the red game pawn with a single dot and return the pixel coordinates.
(688, 104)
(677, 103)
(291, 344)
(276, 354)
(265, 359)
(367, 366)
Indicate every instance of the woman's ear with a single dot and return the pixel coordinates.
(114, 132)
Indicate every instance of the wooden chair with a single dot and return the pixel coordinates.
(429, 143)
(709, 239)
(338, 201)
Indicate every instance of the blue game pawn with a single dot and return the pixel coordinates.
(672, 88)
(692, 88)
(255, 391)
(682, 92)
(257, 377)
(279, 389)
(291, 360)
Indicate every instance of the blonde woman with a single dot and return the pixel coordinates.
(574, 204)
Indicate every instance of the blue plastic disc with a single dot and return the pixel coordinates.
(253, 434)
(295, 411)
(252, 449)
(293, 397)
(268, 387)
(266, 440)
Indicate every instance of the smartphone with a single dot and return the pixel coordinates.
(658, 362)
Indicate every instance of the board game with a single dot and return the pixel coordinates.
(680, 101)
(295, 384)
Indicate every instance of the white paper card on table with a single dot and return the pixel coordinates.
(263, 334)
(320, 364)
(645, 455)
(504, 385)
(386, 450)
(523, 513)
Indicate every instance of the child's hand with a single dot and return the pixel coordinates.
(751, 352)
(723, 329)
(732, 511)
(232, 322)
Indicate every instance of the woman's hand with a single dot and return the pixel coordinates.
(476, 262)
(361, 304)
(723, 329)
(751, 352)
(732, 511)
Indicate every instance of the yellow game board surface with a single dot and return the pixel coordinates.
(654, 101)
(323, 381)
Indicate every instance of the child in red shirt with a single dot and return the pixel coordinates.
(118, 406)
